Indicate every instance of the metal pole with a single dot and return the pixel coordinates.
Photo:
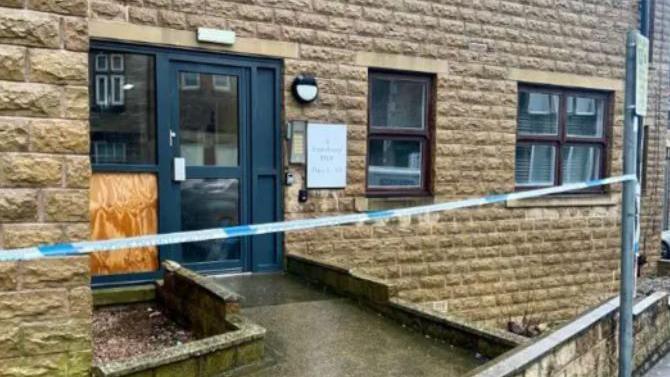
(628, 215)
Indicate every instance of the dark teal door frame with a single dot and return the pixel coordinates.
(260, 157)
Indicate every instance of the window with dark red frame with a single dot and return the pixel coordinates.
(561, 136)
(399, 134)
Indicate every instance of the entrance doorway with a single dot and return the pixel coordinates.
(220, 115)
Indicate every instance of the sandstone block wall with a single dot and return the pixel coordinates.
(589, 345)
(490, 264)
(45, 318)
(657, 120)
(44, 132)
(45, 306)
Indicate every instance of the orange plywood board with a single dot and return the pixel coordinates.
(124, 205)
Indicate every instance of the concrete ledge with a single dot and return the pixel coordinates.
(380, 296)
(488, 342)
(127, 32)
(401, 62)
(532, 76)
(603, 200)
(230, 350)
(225, 340)
(593, 330)
(663, 267)
(124, 295)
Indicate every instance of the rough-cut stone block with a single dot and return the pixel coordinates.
(23, 28)
(59, 136)
(66, 205)
(18, 205)
(9, 340)
(26, 235)
(30, 170)
(143, 16)
(174, 20)
(78, 232)
(33, 304)
(77, 171)
(76, 105)
(250, 352)
(8, 276)
(58, 66)
(108, 10)
(69, 7)
(12, 63)
(13, 135)
(81, 302)
(79, 364)
(56, 336)
(12, 3)
(219, 361)
(20, 98)
(180, 369)
(48, 273)
(75, 33)
(40, 366)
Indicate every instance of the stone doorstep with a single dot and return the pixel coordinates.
(246, 332)
(517, 359)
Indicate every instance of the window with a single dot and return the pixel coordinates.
(399, 134)
(123, 120)
(190, 81)
(561, 136)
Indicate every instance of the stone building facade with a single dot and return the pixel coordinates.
(548, 258)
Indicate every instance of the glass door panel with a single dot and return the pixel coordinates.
(210, 203)
(208, 119)
(211, 128)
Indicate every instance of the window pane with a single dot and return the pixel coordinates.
(398, 103)
(581, 163)
(205, 204)
(538, 113)
(535, 165)
(585, 117)
(208, 119)
(123, 123)
(395, 163)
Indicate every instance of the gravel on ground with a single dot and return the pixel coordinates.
(120, 332)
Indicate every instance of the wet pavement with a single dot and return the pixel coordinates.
(311, 332)
(661, 369)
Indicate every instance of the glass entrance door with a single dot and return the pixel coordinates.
(209, 131)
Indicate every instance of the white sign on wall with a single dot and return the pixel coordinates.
(326, 155)
(641, 75)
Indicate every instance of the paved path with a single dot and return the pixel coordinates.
(661, 369)
(313, 333)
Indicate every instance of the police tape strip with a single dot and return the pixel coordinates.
(69, 249)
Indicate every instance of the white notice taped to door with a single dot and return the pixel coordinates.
(326, 155)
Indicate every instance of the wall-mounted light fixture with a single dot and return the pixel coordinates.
(305, 88)
(225, 37)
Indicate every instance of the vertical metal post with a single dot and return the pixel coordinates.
(628, 215)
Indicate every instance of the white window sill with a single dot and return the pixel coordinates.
(577, 200)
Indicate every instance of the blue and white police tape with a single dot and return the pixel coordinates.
(85, 247)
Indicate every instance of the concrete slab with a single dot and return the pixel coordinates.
(661, 369)
(314, 333)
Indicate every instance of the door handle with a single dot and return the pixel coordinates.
(172, 136)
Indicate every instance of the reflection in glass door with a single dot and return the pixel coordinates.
(209, 135)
